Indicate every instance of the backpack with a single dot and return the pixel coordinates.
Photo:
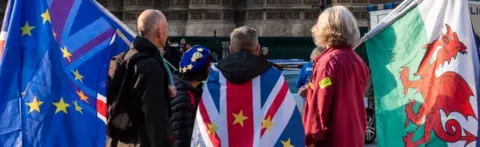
(122, 110)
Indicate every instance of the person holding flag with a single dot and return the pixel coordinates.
(246, 101)
(334, 113)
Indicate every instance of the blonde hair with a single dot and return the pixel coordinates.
(316, 52)
(336, 26)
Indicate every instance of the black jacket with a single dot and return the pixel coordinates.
(150, 85)
(173, 55)
(241, 67)
(183, 112)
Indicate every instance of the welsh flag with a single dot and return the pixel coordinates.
(425, 70)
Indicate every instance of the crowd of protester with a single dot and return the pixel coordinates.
(161, 86)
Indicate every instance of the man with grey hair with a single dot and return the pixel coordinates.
(250, 90)
(144, 95)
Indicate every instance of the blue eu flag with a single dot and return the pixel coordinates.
(54, 57)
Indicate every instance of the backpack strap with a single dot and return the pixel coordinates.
(192, 98)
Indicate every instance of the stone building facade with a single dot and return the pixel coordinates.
(276, 18)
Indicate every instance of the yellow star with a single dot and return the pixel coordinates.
(61, 106)
(77, 107)
(189, 66)
(239, 118)
(196, 55)
(23, 93)
(267, 123)
(27, 29)
(82, 96)
(184, 69)
(66, 54)
(77, 75)
(34, 105)
(200, 49)
(287, 143)
(46, 17)
(212, 128)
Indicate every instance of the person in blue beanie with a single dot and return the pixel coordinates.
(194, 68)
(306, 72)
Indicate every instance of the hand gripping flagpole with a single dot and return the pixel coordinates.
(393, 16)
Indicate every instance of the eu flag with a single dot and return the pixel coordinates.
(54, 57)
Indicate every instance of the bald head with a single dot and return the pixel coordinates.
(152, 24)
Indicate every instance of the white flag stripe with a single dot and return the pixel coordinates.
(101, 98)
(222, 121)
(101, 117)
(280, 120)
(3, 35)
(203, 131)
(257, 110)
(272, 95)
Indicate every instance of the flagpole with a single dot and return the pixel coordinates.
(130, 32)
(393, 16)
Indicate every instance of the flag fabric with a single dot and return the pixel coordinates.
(53, 72)
(425, 69)
(260, 112)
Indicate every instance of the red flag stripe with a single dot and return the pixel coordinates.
(276, 104)
(241, 105)
(206, 120)
(102, 107)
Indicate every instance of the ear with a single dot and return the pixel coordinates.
(230, 49)
(259, 51)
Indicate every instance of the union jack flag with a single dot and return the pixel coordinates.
(260, 113)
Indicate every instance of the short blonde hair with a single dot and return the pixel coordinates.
(316, 52)
(336, 26)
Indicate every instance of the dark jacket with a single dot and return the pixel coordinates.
(150, 85)
(184, 106)
(173, 55)
(242, 67)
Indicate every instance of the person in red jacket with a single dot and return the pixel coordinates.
(334, 114)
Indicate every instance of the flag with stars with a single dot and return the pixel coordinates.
(260, 112)
(54, 58)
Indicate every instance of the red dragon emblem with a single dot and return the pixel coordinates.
(448, 92)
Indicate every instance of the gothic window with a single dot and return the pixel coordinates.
(227, 16)
(130, 16)
(197, 2)
(145, 2)
(129, 2)
(213, 2)
(212, 16)
(176, 16)
(255, 2)
(178, 2)
(296, 15)
(196, 16)
(118, 15)
(255, 16)
(311, 1)
(311, 15)
(272, 15)
(227, 2)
